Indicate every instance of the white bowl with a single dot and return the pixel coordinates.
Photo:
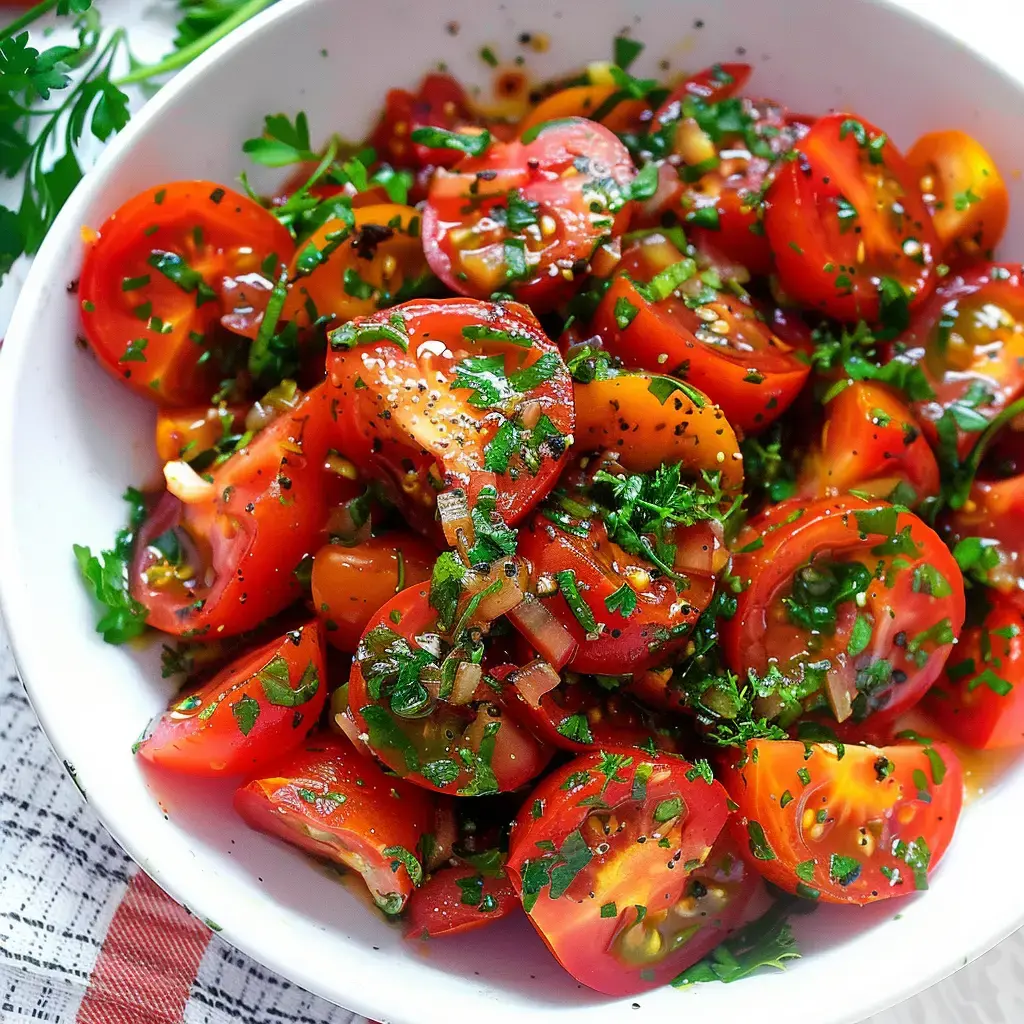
(71, 439)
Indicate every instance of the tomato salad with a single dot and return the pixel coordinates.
(561, 514)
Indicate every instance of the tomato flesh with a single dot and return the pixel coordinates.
(537, 209)
(856, 604)
(154, 282)
(847, 224)
(332, 802)
(980, 698)
(468, 394)
(588, 856)
(459, 899)
(256, 709)
(865, 826)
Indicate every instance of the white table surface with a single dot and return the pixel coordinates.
(991, 989)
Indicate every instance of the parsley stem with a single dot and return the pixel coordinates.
(188, 53)
(26, 19)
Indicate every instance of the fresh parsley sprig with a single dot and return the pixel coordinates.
(51, 100)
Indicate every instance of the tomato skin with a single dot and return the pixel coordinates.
(219, 234)
(598, 950)
(440, 732)
(992, 514)
(815, 238)
(437, 908)
(270, 508)
(980, 313)
(748, 372)
(350, 584)
(869, 807)
(377, 814)
(584, 101)
(964, 191)
(247, 728)
(468, 251)
(979, 700)
(870, 443)
(630, 415)
(186, 433)
(718, 82)
(383, 252)
(920, 588)
(440, 102)
(631, 643)
(417, 449)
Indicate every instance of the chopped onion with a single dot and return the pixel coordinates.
(513, 577)
(838, 694)
(467, 679)
(551, 640)
(280, 398)
(186, 484)
(342, 721)
(453, 508)
(445, 834)
(534, 680)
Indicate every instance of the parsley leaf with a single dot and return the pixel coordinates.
(106, 577)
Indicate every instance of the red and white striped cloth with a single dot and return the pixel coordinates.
(85, 936)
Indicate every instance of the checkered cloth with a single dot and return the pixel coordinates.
(88, 938)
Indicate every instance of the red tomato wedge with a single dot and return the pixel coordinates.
(680, 325)
(986, 537)
(847, 225)
(626, 608)
(853, 824)
(459, 899)
(330, 801)
(964, 190)
(605, 855)
(854, 605)
(351, 583)
(251, 712)
(525, 217)
(154, 282)
(462, 743)
(968, 339)
(450, 393)
(225, 563)
(871, 443)
(980, 698)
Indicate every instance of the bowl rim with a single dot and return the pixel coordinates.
(12, 357)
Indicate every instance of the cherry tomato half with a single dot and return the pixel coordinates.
(189, 433)
(459, 899)
(968, 339)
(846, 825)
(980, 697)
(846, 223)
(604, 854)
(440, 102)
(152, 285)
(854, 604)
(351, 583)
(447, 393)
(225, 562)
(256, 709)
(461, 743)
(330, 801)
(525, 217)
(986, 536)
(367, 267)
(964, 190)
(595, 561)
(649, 421)
(870, 443)
(711, 339)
